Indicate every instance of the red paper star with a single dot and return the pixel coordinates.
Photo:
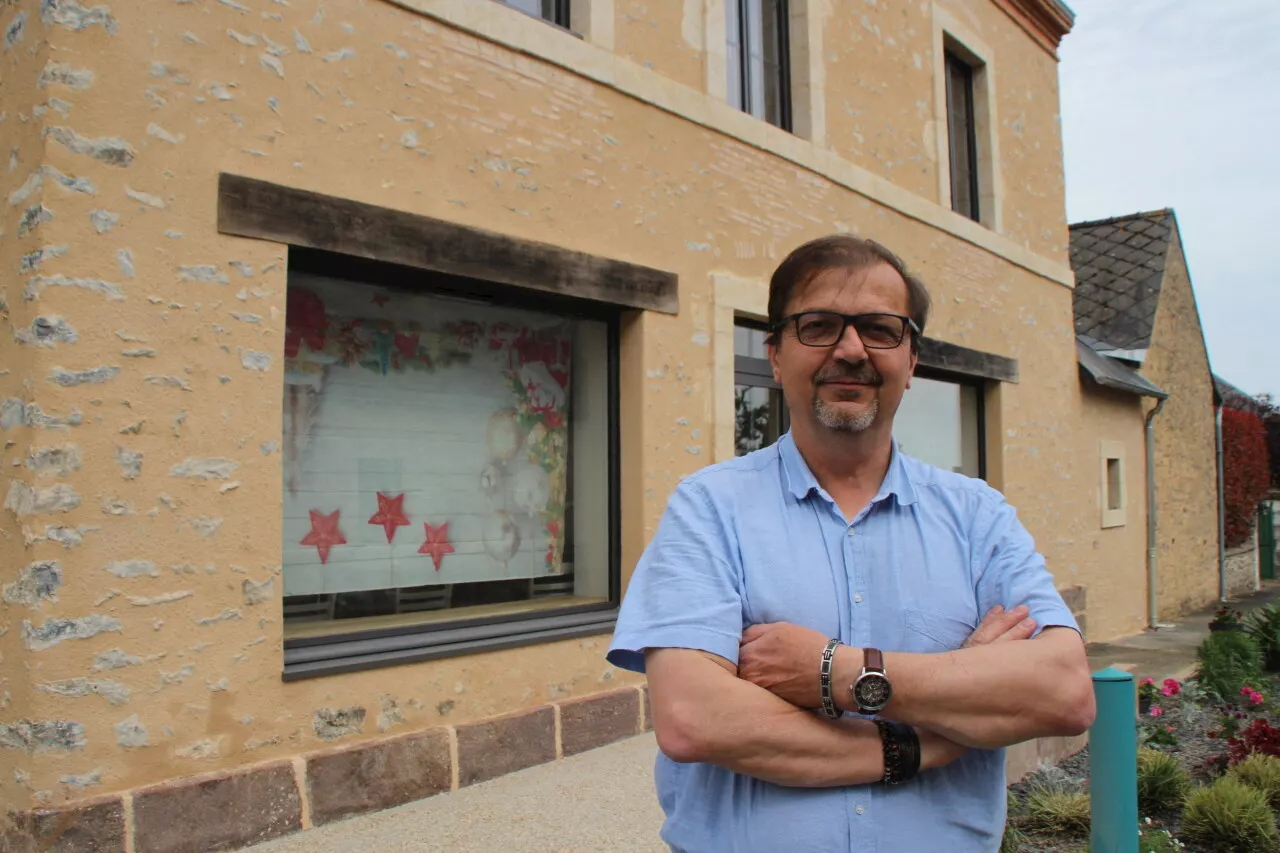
(390, 514)
(437, 544)
(324, 533)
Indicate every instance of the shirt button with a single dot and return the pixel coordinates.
(859, 810)
(857, 598)
(851, 531)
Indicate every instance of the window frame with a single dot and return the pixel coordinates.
(349, 650)
(1118, 517)
(741, 67)
(756, 373)
(560, 14)
(980, 388)
(953, 60)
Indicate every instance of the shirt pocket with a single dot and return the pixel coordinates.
(935, 631)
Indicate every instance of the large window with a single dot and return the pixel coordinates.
(941, 422)
(555, 11)
(760, 413)
(758, 47)
(447, 462)
(962, 136)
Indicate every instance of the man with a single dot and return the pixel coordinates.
(840, 639)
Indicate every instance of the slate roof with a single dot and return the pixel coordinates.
(1234, 398)
(1113, 373)
(1119, 266)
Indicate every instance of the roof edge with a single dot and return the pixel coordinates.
(1046, 21)
(1167, 211)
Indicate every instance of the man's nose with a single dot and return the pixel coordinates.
(849, 348)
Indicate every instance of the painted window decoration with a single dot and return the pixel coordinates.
(426, 440)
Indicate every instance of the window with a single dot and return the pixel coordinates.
(760, 413)
(962, 136)
(759, 59)
(448, 463)
(941, 422)
(1112, 486)
(555, 11)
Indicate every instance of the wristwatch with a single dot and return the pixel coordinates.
(871, 691)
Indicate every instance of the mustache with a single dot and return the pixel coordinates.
(862, 372)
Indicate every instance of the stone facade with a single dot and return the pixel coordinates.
(140, 394)
(1186, 454)
(1242, 569)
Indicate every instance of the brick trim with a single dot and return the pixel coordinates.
(289, 794)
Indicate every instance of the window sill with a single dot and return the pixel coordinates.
(311, 657)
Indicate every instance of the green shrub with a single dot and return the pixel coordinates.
(1162, 783)
(1228, 661)
(1262, 773)
(1152, 840)
(1264, 626)
(1230, 816)
(1055, 814)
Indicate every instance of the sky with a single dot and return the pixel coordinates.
(1176, 103)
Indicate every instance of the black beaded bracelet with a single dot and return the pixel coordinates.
(901, 751)
(824, 680)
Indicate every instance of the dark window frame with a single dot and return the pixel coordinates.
(954, 66)
(741, 63)
(559, 12)
(756, 373)
(357, 649)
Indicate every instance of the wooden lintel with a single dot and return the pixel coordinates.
(954, 358)
(252, 208)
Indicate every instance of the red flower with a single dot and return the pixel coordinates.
(305, 322)
(1171, 687)
(406, 344)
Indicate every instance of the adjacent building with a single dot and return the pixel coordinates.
(354, 346)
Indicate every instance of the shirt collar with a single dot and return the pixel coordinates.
(800, 480)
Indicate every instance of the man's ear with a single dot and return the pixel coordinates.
(771, 349)
(911, 371)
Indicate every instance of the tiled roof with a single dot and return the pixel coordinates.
(1119, 265)
(1234, 398)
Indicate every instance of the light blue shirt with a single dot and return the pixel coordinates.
(756, 539)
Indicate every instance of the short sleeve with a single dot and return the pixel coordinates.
(685, 591)
(1010, 571)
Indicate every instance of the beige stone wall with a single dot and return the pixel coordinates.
(23, 195)
(171, 670)
(667, 37)
(1186, 466)
(1116, 581)
(882, 112)
(1242, 569)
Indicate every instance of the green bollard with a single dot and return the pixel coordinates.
(1113, 765)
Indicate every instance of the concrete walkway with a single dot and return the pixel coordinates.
(604, 800)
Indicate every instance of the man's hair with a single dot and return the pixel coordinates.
(840, 251)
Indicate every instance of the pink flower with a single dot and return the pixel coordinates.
(1255, 698)
(1157, 711)
(1148, 680)
(1171, 687)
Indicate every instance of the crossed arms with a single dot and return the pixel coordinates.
(755, 718)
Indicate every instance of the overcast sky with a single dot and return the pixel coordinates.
(1176, 103)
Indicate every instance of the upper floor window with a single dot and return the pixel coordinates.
(759, 59)
(555, 11)
(962, 136)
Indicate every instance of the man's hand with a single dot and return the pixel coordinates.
(999, 626)
(785, 660)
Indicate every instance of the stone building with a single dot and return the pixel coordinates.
(1135, 307)
(353, 347)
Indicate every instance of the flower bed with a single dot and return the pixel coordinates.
(1209, 758)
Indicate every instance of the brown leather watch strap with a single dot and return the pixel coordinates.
(873, 660)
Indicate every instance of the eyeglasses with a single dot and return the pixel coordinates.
(825, 328)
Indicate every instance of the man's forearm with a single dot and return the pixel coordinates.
(703, 713)
(988, 696)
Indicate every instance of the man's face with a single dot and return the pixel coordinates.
(845, 387)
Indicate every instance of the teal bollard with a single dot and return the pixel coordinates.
(1113, 765)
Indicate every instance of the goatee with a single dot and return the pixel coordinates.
(835, 418)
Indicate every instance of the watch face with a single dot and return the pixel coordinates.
(872, 691)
